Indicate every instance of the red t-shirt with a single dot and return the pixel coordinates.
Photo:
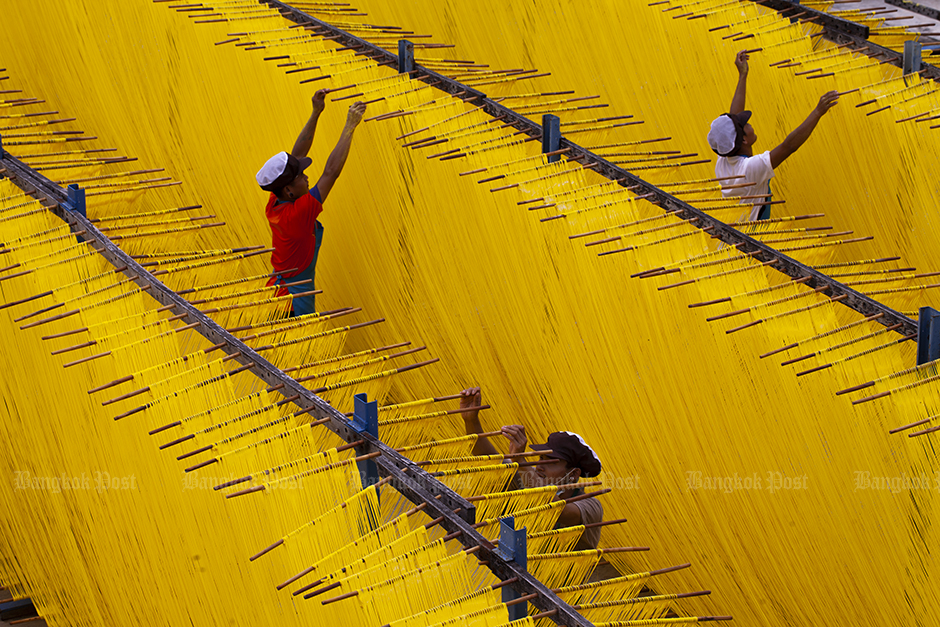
(292, 231)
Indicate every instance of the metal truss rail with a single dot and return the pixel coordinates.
(842, 31)
(913, 7)
(757, 250)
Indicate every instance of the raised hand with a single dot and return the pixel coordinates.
(516, 436)
(319, 100)
(740, 60)
(356, 111)
(471, 397)
(827, 101)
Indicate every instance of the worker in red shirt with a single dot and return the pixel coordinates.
(293, 207)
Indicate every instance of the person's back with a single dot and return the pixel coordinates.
(592, 511)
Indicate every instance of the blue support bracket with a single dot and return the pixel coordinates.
(2, 154)
(366, 420)
(406, 56)
(551, 135)
(76, 201)
(512, 548)
(911, 62)
(928, 335)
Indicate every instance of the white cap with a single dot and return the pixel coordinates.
(272, 169)
(723, 135)
(280, 170)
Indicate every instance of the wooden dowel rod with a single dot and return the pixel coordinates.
(924, 432)
(111, 384)
(522, 599)
(185, 438)
(604, 523)
(202, 465)
(912, 425)
(503, 584)
(567, 486)
(26, 300)
(266, 550)
(350, 445)
(257, 488)
(341, 597)
(415, 510)
(854, 388)
(73, 348)
(39, 312)
(313, 585)
(302, 573)
(670, 569)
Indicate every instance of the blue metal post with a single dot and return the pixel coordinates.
(928, 336)
(76, 199)
(551, 135)
(366, 420)
(512, 548)
(2, 154)
(911, 62)
(406, 56)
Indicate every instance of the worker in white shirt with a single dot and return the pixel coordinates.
(733, 138)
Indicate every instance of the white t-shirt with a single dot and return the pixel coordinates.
(756, 170)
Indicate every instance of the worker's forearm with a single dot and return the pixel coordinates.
(740, 95)
(472, 425)
(801, 133)
(305, 139)
(337, 158)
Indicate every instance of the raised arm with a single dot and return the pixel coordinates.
(740, 92)
(337, 158)
(472, 397)
(305, 139)
(802, 132)
(527, 477)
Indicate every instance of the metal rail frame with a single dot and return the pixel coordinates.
(916, 8)
(842, 31)
(826, 20)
